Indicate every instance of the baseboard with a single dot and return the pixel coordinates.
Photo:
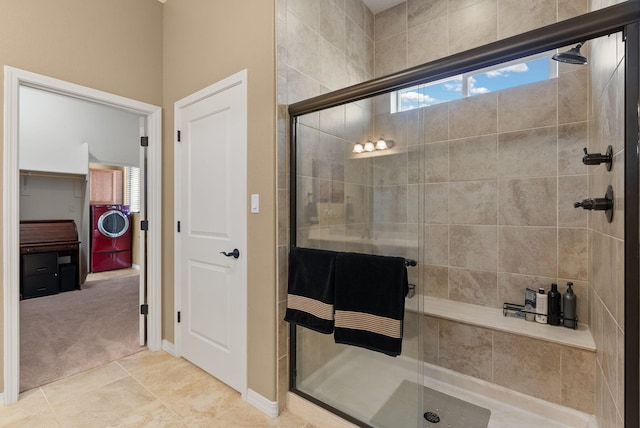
(262, 404)
(2, 398)
(168, 347)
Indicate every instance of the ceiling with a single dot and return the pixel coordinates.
(377, 6)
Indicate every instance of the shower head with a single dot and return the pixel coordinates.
(572, 56)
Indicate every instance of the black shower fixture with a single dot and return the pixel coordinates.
(597, 158)
(572, 56)
(599, 204)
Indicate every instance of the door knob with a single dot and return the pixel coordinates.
(235, 253)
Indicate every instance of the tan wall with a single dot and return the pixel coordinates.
(114, 46)
(205, 42)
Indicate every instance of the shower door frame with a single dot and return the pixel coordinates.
(623, 17)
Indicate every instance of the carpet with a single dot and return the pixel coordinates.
(400, 410)
(74, 331)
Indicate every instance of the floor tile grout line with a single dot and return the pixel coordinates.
(55, 414)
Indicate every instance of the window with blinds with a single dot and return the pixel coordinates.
(132, 189)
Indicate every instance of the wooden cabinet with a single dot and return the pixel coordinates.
(106, 186)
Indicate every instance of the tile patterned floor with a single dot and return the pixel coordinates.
(147, 389)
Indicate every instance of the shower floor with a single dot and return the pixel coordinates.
(365, 380)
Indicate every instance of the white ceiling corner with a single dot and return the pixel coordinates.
(377, 6)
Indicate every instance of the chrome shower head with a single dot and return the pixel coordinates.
(572, 56)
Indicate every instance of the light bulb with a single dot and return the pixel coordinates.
(357, 148)
(381, 145)
(369, 147)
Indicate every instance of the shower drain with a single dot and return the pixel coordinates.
(432, 417)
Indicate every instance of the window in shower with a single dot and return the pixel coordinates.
(519, 72)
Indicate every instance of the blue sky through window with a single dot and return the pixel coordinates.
(522, 73)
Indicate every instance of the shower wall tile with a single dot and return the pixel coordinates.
(572, 189)
(436, 123)
(332, 121)
(572, 138)
(333, 70)
(619, 270)
(432, 34)
(420, 12)
(620, 380)
(578, 379)
(300, 87)
(466, 349)
(390, 22)
(436, 244)
(283, 268)
(303, 44)
(480, 26)
(414, 204)
(571, 8)
(357, 123)
(528, 106)
(436, 280)
(572, 97)
(460, 4)
(573, 253)
(473, 158)
(430, 328)
(436, 162)
(390, 54)
(528, 202)
(474, 286)
(528, 366)
(415, 164)
(517, 16)
(473, 202)
(355, 11)
(390, 204)
(436, 203)
(473, 116)
(473, 247)
(283, 216)
(530, 153)
(512, 287)
(358, 204)
(332, 25)
(390, 170)
(356, 44)
(307, 12)
(528, 250)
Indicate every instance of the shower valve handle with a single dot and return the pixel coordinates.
(598, 204)
(597, 158)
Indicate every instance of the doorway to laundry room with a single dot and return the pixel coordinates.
(82, 250)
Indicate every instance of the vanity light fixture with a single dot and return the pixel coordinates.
(358, 148)
(369, 146)
(383, 144)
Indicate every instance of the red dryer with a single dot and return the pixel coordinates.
(110, 237)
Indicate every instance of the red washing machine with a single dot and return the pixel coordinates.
(110, 237)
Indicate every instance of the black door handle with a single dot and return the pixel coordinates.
(235, 253)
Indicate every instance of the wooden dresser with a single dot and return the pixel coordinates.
(49, 257)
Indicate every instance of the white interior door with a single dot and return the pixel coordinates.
(211, 210)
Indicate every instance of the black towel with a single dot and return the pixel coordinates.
(369, 303)
(311, 289)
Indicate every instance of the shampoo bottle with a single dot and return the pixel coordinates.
(554, 305)
(541, 306)
(569, 301)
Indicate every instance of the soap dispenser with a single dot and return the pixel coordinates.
(569, 301)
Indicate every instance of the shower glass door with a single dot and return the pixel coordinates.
(359, 189)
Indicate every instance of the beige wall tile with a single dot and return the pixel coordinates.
(307, 12)
(473, 247)
(436, 162)
(300, 87)
(422, 11)
(473, 202)
(283, 269)
(332, 123)
(578, 379)
(460, 4)
(528, 250)
(390, 170)
(473, 158)
(466, 349)
(355, 11)
(436, 203)
(572, 96)
(332, 25)
(356, 44)
(609, 354)
(391, 22)
(474, 286)
(390, 204)
(436, 244)
(436, 123)
(581, 290)
(620, 380)
(432, 34)
(512, 287)
(303, 45)
(619, 272)
(480, 23)
(573, 253)
(572, 138)
(516, 16)
(571, 8)
(431, 339)
(530, 153)
(528, 202)
(390, 54)
(473, 116)
(415, 164)
(436, 281)
(528, 365)
(528, 106)
(572, 189)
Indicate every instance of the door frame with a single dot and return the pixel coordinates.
(239, 78)
(13, 79)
